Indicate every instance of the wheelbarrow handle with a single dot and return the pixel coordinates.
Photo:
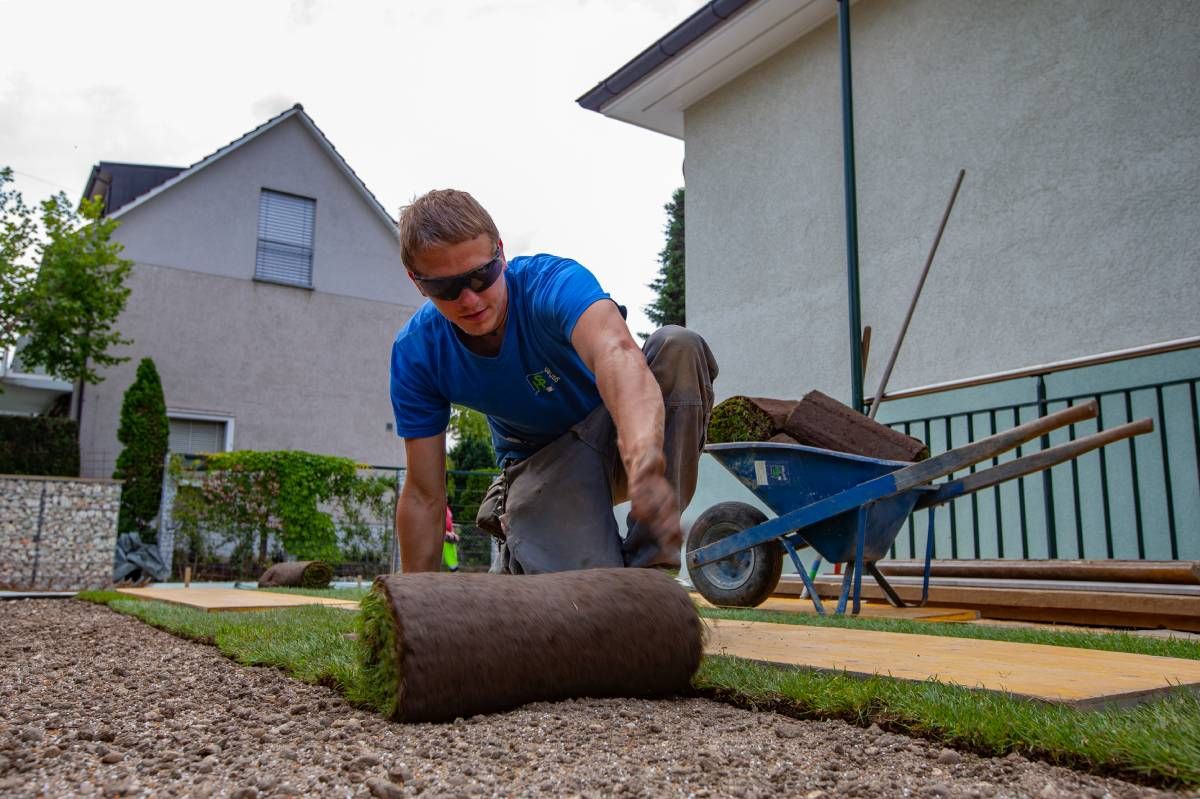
(987, 448)
(1032, 463)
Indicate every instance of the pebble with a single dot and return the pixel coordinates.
(31, 734)
(244, 793)
(382, 789)
(949, 757)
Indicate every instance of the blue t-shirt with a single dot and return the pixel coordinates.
(532, 391)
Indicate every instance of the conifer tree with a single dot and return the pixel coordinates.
(669, 307)
(144, 431)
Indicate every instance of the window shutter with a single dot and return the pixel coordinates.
(194, 436)
(285, 238)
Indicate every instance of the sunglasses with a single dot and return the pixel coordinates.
(477, 280)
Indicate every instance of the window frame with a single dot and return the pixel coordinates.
(258, 241)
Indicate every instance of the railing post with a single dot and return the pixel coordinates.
(1047, 481)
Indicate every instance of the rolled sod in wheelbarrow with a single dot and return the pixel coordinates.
(748, 419)
(297, 574)
(437, 646)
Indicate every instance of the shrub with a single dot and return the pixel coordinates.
(39, 445)
(144, 431)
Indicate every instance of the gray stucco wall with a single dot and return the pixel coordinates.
(1076, 231)
(209, 222)
(294, 368)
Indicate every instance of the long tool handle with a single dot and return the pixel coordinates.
(877, 400)
(1033, 463)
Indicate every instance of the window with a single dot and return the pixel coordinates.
(285, 238)
(194, 436)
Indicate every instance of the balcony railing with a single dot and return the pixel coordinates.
(1137, 499)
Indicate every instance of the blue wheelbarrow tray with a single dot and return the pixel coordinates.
(790, 476)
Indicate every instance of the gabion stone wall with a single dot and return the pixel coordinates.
(57, 534)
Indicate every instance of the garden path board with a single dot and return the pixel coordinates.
(1078, 677)
(869, 610)
(221, 599)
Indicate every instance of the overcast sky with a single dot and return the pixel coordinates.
(468, 94)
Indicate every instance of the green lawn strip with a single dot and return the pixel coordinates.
(1156, 742)
(101, 597)
(333, 593)
(1109, 642)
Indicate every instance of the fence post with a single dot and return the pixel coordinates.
(166, 514)
(1047, 482)
(395, 564)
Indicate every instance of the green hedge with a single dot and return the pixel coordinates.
(41, 445)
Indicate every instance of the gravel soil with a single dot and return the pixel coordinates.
(94, 703)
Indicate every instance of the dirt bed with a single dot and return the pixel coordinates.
(93, 703)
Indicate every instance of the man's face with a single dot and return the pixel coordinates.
(475, 313)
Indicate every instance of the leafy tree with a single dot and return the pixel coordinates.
(669, 307)
(472, 452)
(17, 230)
(144, 431)
(71, 307)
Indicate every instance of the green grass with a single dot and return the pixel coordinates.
(1157, 743)
(333, 593)
(1109, 642)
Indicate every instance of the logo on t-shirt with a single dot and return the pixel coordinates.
(543, 381)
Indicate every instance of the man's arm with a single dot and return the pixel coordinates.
(633, 397)
(421, 511)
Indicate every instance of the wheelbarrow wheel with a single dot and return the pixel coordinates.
(742, 580)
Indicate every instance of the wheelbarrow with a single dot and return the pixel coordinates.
(849, 508)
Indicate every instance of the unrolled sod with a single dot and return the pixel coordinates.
(440, 646)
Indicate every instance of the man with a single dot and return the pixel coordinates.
(581, 418)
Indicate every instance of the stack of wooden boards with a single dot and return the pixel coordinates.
(1106, 593)
(817, 420)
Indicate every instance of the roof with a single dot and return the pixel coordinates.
(151, 190)
(119, 184)
(712, 47)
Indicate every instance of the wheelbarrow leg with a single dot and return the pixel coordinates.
(892, 597)
(847, 578)
(808, 583)
(858, 557)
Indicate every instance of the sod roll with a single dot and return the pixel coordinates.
(440, 646)
(297, 574)
(748, 419)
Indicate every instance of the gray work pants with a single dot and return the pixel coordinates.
(553, 510)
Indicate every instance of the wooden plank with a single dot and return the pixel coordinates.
(870, 610)
(226, 599)
(1182, 572)
(1076, 607)
(1079, 677)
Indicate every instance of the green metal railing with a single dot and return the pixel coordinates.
(1136, 499)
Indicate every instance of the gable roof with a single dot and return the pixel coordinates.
(297, 112)
(712, 47)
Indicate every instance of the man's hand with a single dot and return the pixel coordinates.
(654, 506)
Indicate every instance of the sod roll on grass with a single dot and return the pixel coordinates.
(439, 646)
(297, 574)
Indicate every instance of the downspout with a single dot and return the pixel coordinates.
(856, 361)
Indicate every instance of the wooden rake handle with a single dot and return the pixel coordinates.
(1033, 463)
(950, 462)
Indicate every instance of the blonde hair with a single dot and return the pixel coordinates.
(442, 216)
